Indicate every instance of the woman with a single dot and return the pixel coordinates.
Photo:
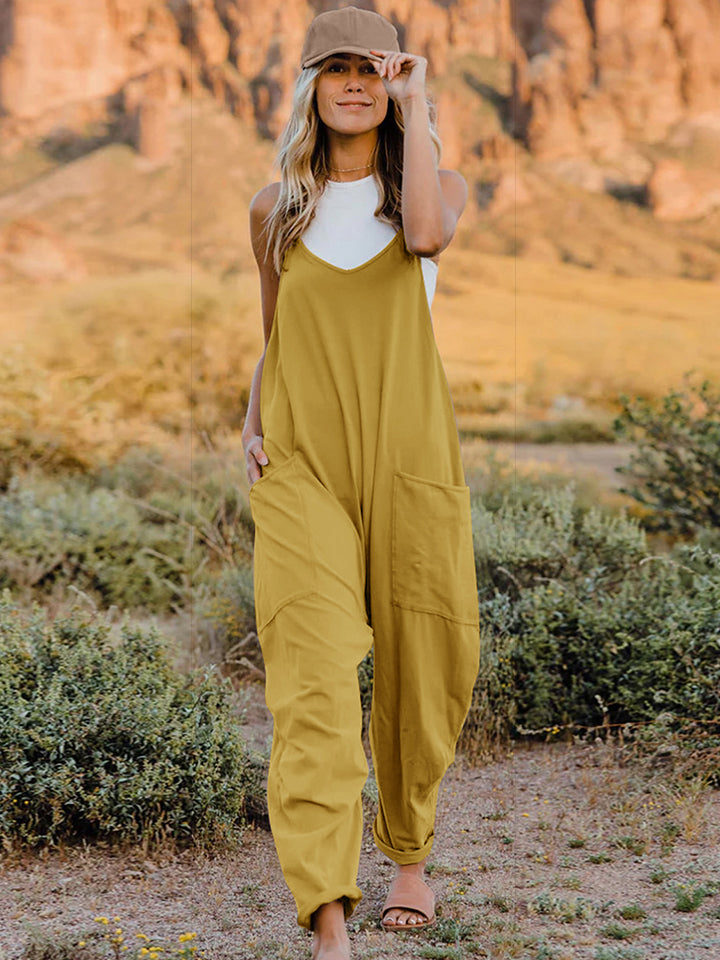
(362, 515)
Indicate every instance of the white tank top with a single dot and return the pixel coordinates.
(345, 232)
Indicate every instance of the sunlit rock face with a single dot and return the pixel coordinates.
(592, 75)
(591, 79)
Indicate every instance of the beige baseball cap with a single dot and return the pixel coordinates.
(347, 30)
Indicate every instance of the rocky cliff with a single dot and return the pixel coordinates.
(587, 79)
(592, 74)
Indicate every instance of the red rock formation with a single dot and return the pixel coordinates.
(590, 77)
(65, 59)
(677, 194)
(593, 75)
(66, 50)
(36, 252)
(509, 192)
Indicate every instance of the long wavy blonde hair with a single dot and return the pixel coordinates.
(304, 161)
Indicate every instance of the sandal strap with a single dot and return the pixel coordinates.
(408, 892)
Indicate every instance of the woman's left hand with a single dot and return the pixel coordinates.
(402, 73)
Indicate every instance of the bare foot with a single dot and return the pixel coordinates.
(410, 917)
(330, 939)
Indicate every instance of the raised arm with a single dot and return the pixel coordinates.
(432, 199)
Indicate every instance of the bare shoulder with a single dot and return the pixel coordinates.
(455, 190)
(260, 207)
(263, 202)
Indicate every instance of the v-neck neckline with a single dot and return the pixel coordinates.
(360, 266)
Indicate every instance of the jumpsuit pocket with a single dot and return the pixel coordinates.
(282, 562)
(433, 560)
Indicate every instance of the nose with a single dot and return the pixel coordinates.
(355, 80)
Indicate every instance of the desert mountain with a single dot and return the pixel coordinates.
(589, 130)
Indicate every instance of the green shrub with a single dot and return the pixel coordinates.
(676, 469)
(138, 533)
(616, 931)
(545, 536)
(581, 625)
(225, 610)
(585, 624)
(688, 899)
(55, 532)
(563, 910)
(632, 911)
(103, 739)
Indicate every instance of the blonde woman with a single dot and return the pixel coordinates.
(362, 515)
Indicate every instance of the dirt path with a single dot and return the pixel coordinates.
(598, 459)
(537, 853)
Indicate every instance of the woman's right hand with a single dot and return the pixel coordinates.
(255, 457)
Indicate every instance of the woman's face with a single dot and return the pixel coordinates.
(350, 77)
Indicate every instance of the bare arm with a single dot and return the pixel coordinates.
(260, 205)
(433, 199)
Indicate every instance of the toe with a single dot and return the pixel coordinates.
(403, 918)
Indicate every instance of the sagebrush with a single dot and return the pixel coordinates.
(102, 738)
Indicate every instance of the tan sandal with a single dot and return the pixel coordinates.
(409, 892)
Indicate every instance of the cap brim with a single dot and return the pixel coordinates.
(363, 51)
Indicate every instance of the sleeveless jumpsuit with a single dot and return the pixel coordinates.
(362, 536)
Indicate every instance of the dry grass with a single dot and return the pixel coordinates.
(93, 367)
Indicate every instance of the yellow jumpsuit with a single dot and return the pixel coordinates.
(362, 535)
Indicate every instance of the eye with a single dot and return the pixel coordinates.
(368, 67)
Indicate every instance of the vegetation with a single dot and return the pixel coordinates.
(584, 629)
(104, 740)
(138, 534)
(676, 471)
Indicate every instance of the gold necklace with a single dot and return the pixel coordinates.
(348, 169)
